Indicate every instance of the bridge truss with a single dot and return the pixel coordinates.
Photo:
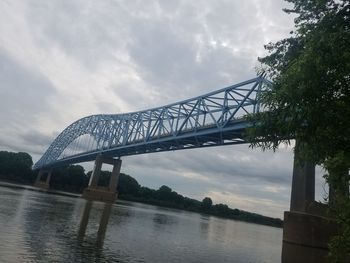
(212, 119)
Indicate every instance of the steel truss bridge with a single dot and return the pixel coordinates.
(213, 119)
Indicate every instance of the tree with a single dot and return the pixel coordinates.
(206, 203)
(16, 166)
(69, 178)
(128, 185)
(310, 70)
(221, 209)
(310, 101)
(166, 194)
(147, 193)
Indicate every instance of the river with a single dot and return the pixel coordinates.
(41, 227)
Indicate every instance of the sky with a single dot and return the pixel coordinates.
(61, 60)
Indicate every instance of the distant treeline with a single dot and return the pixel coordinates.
(16, 167)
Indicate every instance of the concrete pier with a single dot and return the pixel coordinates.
(303, 184)
(307, 229)
(43, 184)
(100, 193)
(306, 237)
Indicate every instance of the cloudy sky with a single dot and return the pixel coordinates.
(62, 60)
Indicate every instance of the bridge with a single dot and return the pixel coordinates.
(213, 119)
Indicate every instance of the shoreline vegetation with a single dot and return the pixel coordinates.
(16, 168)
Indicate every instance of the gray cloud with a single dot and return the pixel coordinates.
(24, 93)
(228, 161)
(34, 137)
(62, 60)
(182, 61)
(88, 31)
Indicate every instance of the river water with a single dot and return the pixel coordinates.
(40, 227)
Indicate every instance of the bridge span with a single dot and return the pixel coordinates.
(213, 119)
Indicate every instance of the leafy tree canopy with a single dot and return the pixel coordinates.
(207, 203)
(311, 73)
(128, 185)
(310, 99)
(16, 165)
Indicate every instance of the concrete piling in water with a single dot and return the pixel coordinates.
(307, 228)
(43, 184)
(100, 193)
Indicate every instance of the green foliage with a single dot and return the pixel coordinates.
(340, 244)
(147, 193)
(310, 99)
(104, 178)
(221, 209)
(206, 203)
(165, 193)
(69, 178)
(338, 178)
(16, 166)
(128, 185)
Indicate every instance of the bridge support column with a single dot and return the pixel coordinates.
(44, 184)
(113, 181)
(93, 183)
(100, 193)
(303, 184)
(306, 229)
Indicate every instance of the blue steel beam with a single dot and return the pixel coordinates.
(209, 120)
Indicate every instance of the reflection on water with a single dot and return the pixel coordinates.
(163, 220)
(102, 226)
(204, 226)
(38, 227)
